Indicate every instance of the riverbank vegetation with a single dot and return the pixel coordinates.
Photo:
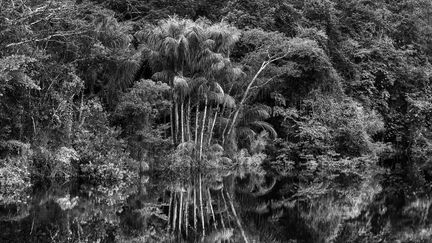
(327, 96)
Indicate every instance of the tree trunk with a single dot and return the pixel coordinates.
(177, 122)
(203, 128)
(182, 122)
(225, 208)
(211, 208)
(172, 126)
(186, 211)
(220, 211)
(245, 95)
(196, 128)
(173, 129)
(201, 205)
(169, 210)
(226, 127)
(212, 126)
(188, 116)
(195, 208)
(180, 212)
(237, 218)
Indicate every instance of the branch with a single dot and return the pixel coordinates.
(266, 82)
(275, 57)
(246, 93)
(46, 38)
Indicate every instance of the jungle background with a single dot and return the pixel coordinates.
(321, 107)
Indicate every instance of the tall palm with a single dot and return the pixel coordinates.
(171, 45)
(209, 91)
(182, 46)
(181, 91)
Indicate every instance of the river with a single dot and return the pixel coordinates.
(219, 206)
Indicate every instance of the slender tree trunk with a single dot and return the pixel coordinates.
(225, 207)
(195, 208)
(221, 114)
(226, 127)
(173, 125)
(225, 106)
(186, 211)
(177, 122)
(203, 128)
(196, 128)
(201, 205)
(237, 218)
(173, 112)
(182, 122)
(211, 208)
(212, 126)
(188, 116)
(169, 211)
(180, 212)
(220, 211)
(81, 109)
(246, 93)
(175, 214)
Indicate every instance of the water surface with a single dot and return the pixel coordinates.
(218, 206)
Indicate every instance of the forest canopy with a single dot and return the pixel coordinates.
(313, 90)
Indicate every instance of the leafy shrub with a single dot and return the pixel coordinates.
(102, 155)
(15, 173)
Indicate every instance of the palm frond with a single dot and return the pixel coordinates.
(266, 126)
(111, 33)
(237, 73)
(171, 47)
(261, 208)
(222, 121)
(218, 88)
(216, 98)
(195, 83)
(121, 74)
(161, 76)
(224, 36)
(257, 113)
(183, 49)
(229, 101)
(195, 36)
(209, 43)
(181, 87)
(246, 132)
(215, 67)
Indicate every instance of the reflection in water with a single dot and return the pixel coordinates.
(201, 208)
(217, 206)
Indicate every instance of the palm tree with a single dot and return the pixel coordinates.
(209, 91)
(218, 99)
(180, 46)
(181, 91)
(171, 45)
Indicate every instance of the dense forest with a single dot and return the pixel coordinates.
(295, 120)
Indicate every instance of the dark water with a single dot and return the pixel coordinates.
(218, 206)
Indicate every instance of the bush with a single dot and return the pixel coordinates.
(15, 173)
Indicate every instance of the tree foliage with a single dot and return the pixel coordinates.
(322, 93)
